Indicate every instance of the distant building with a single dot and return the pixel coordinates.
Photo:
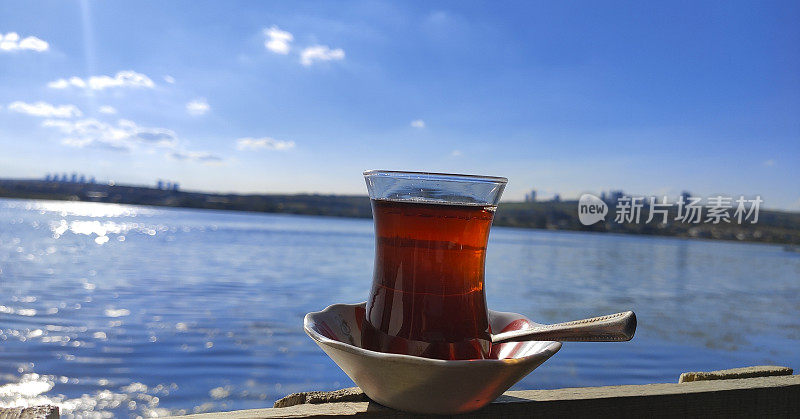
(167, 185)
(531, 197)
(75, 177)
(614, 196)
(556, 198)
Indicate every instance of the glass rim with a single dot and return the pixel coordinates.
(435, 176)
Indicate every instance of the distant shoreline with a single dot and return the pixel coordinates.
(773, 227)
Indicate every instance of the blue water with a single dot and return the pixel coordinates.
(116, 310)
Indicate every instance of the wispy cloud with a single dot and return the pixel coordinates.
(12, 42)
(161, 137)
(169, 79)
(198, 107)
(418, 123)
(87, 132)
(316, 53)
(124, 136)
(456, 153)
(121, 79)
(108, 110)
(277, 40)
(45, 110)
(263, 143)
(769, 163)
(200, 156)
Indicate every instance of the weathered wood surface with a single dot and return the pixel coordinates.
(776, 396)
(35, 412)
(351, 394)
(746, 372)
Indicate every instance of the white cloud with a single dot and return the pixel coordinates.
(201, 156)
(265, 142)
(277, 40)
(769, 163)
(126, 136)
(87, 132)
(198, 107)
(45, 110)
(169, 79)
(123, 136)
(320, 53)
(109, 110)
(456, 153)
(58, 84)
(121, 79)
(418, 123)
(12, 42)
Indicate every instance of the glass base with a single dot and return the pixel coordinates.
(376, 340)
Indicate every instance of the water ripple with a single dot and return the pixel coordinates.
(185, 311)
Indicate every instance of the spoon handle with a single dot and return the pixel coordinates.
(618, 327)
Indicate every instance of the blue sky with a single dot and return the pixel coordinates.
(275, 97)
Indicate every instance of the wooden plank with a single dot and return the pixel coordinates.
(747, 397)
(746, 372)
(34, 412)
(351, 394)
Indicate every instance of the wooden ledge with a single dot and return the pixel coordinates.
(746, 372)
(771, 393)
(744, 397)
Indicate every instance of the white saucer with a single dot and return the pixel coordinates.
(422, 385)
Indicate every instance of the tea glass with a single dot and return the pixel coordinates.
(428, 296)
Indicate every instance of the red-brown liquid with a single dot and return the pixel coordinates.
(427, 296)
